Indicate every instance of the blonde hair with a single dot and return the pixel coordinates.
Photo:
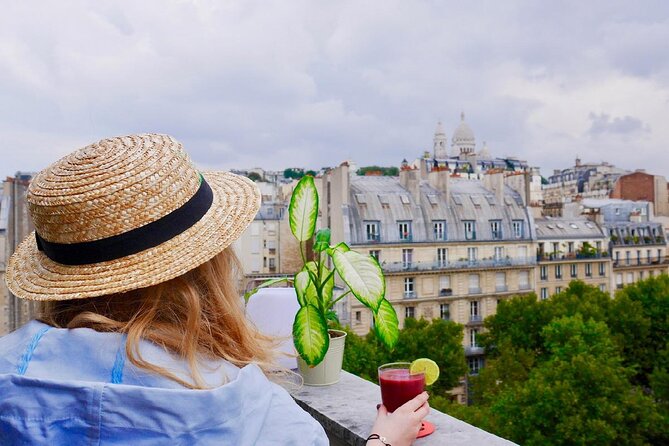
(196, 315)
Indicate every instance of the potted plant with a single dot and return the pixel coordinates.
(320, 347)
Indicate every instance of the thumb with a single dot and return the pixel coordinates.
(382, 410)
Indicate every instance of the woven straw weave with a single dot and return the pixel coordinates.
(114, 186)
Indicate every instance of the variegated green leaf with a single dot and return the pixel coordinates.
(362, 275)
(265, 284)
(310, 334)
(386, 324)
(343, 247)
(327, 286)
(322, 240)
(303, 209)
(305, 289)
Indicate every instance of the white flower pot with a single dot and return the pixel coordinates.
(328, 371)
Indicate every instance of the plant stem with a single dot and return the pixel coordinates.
(339, 298)
(304, 259)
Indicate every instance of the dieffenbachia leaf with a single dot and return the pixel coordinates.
(362, 275)
(304, 288)
(343, 247)
(310, 334)
(386, 324)
(265, 284)
(322, 240)
(327, 285)
(303, 209)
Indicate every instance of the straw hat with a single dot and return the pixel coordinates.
(122, 214)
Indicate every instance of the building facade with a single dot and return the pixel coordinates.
(571, 249)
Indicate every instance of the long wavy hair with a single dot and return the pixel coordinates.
(198, 315)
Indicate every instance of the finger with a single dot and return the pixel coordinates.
(413, 404)
(423, 411)
(382, 410)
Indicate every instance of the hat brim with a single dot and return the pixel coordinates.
(32, 275)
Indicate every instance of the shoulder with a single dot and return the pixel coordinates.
(14, 344)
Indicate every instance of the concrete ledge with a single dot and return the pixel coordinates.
(347, 411)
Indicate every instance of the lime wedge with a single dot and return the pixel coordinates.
(427, 366)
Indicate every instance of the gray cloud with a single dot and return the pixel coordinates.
(276, 83)
(627, 125)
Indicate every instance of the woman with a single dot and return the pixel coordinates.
(142, 338)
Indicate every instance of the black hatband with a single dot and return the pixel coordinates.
(135, 240)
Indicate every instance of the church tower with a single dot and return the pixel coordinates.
(440, 143)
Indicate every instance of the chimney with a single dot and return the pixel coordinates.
(438, 179)
(493, 180)
(409, 179)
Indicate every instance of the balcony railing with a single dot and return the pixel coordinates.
(410, 295)
(373, 238)
(524, 286)
(445, 292)
(549, 257)
(646, 262)
(474, 290)
(473, 350)
(350, 424)
(475, 318)
(637, 240)
(459, 264)
(501, 288)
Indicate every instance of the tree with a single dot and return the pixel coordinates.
(294, 173)
(253, 176)
(385, 171)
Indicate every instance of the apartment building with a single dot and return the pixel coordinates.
(571, 249)
(450, 248)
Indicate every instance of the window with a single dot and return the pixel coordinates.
(659, 254)
(445, 311)
(522, 252)
(439, 230)
(602, 269)
(500, 282)
(470, 230)
(272, 263)
(472, 254)
(499, 253)
(628, 257)
(358, 317)
(517, 226)
(573, 270)
(409, 290)
(372, 232)
(445, 286)
(474, 314)
(602, 287)
(544, 293)
(648, 256)
(409, 312)
(474, 284)
(442, 256)
(570, 247)
(524, 280)
(588, 270)
(544, 272)
(496, 229)
(558, 289)
(407, 257)
(630, 277)
(599, 247)
(473, 334)
(619, 280)
(558, 271)
(617, 256)
(404, 228)
(376, 254)
(638, 257)
(475, 365)
(640, 275)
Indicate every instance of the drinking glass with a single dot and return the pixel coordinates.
(398, 385)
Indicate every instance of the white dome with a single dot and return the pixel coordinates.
(485, 153)
(463, 133)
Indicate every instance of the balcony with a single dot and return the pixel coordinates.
(445, 292)
(501, 288)
(349, 424)
(635, 240)
(474, 350)
(410, 295)
(645, 263)
(475, 318)
(559, 257)
(373, 238)
(393, 267)
(406, 237)
(474, 290)
(524, 286)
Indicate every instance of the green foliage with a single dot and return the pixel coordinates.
(385, 171)
(438, 340)
(579, 368)
(294, 173)
(254, 176)
(314, 283)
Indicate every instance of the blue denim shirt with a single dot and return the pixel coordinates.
(74, 387)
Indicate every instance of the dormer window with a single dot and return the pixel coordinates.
(404, 228)
(372, 231)
(439, 228)
(496, 229)
(470, 229)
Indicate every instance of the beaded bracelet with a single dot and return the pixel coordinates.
(380, 438)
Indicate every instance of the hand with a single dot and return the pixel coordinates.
(401, 427)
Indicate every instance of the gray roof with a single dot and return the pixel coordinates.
(384, 200)
(567, 228)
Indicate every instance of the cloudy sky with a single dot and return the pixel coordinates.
(312, 83)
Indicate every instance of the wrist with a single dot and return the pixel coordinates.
(377, 440)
